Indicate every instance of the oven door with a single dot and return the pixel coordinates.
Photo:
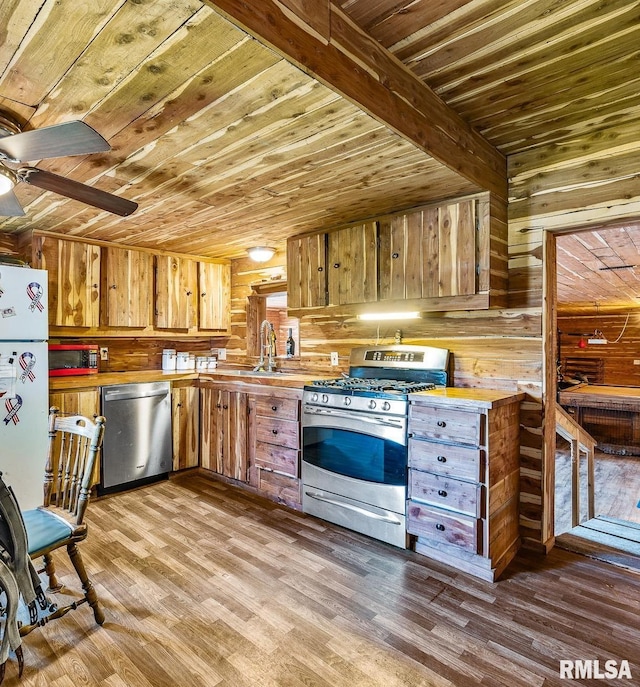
(363, 446)
(354, 471)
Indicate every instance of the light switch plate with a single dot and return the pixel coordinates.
(222, 354)
(334, 358)
(104, 353)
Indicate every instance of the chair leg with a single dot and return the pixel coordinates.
(87, 585)
(50, 570)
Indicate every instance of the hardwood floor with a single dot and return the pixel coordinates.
(617, 487)
(204, 584)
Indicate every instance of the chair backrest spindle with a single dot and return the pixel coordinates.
(74, 443)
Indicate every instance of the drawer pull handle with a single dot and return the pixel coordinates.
(441, 423)
(440, 527)
(442, 492)
(274, 408)
(274, 431)
(441, 459)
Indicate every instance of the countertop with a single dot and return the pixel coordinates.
(278, 379)
(596, 396)
(467, 398)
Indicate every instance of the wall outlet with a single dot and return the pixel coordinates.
(636, 362)
(334, 358)
(104, 353)
(222, 354)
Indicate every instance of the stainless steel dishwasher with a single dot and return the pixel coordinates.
(136, 448)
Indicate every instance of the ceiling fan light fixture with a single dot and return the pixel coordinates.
(8, 179)
(261, 253)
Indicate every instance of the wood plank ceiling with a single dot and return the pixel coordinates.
(224, 144)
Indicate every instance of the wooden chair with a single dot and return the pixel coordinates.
(74, 443)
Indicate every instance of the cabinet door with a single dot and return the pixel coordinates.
(214, 296)
(449, 241)
(352, 272)
(176, 281)
(185, 427)
(307, 271)
(401, 266)
(74, 281)
(235, 442)
(224, 432)
(429, 253)
(129, 283)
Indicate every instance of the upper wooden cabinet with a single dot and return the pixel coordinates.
(214, 295)
(352, 269)
(74, 281)
(192, 294)
(110, 289)
(176, 287)
(446, 256)
(333, 268)
(429, 253)
(307, 271)
(129, 281)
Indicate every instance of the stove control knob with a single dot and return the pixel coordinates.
(347, 400)
(386, 405)
(372, 404)
(314, 398)
(325, 398)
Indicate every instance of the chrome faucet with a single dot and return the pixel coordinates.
(268, 344)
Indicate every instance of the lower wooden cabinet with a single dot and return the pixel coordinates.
(274, 445)
(463, 485)
(223, 432)
(185, 417)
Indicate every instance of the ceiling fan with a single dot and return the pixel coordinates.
(60, 140)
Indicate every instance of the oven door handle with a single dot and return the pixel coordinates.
(398, 422)
(357, 509)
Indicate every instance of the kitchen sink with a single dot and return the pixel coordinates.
(253, 373)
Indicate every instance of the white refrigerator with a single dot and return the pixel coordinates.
(24, 381)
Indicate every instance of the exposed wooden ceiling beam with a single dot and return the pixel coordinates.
(322, 40)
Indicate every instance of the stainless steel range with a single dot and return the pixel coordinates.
(354, 438)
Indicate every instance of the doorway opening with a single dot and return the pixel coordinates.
(597, 383)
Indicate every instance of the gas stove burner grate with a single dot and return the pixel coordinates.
(375, 385)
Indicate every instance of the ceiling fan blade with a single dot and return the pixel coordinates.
(69, 138)
(10, 205)
(77, 191)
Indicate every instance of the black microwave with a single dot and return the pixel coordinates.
(72, 359)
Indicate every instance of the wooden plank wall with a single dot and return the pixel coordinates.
(8, 244)
(580, 179)
(617, 356)
(141, 353)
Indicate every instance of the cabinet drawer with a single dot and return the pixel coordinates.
(279, 432)
(277, 458)
(464, 462)
(272, 406)
(280, 488)
(446, 492)
(446, 425)
(444, 526)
